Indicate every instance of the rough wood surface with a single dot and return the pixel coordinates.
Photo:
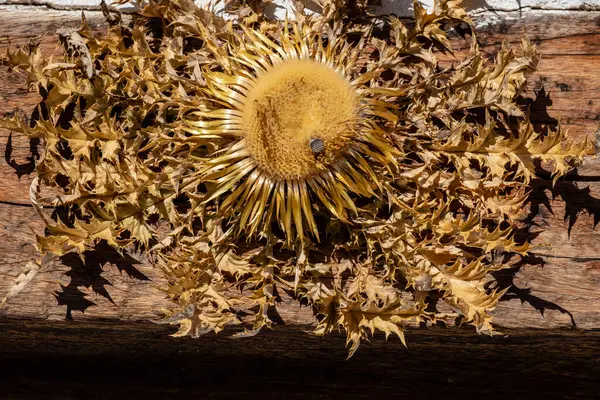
(140, 361)
(558, 286)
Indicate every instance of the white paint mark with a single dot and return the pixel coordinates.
(396, 7)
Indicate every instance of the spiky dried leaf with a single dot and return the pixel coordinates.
(361, 174)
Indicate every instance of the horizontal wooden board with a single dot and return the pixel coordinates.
(558, 286)
(110, 360)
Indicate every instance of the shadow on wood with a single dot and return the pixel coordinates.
(27, 167)
(86, 271)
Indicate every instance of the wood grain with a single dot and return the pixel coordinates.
(570, 47)
(558, 286)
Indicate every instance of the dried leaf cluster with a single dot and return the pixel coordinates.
(145, 131)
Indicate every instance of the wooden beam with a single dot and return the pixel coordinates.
(114, 360)
(558, 286)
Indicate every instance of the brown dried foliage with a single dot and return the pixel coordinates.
(134, 130)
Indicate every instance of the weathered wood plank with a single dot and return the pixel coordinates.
(570, 49)
(16, 29)
(103, 292)
(111, 360)
(556, 287)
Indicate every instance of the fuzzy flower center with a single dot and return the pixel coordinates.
(299, 118)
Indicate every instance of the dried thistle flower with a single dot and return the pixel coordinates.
(342, 165)
(293, 120)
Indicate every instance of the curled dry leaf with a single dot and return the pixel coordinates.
(341, 163)
(29, 272)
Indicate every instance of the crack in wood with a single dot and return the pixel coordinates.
(37, 4)
(569, 258)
